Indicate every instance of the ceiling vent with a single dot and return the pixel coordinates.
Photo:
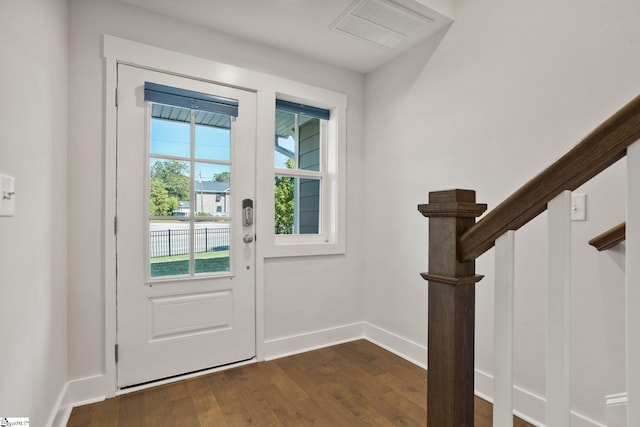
(380, 21)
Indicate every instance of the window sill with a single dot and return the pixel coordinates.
(304, 245)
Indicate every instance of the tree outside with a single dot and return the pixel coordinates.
(284, 202)
(168, 186)
(160, 204)
(222, 177)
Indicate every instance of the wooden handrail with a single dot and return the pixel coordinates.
(603, 147)
(609, 238)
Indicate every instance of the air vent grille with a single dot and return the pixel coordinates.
(380, 21)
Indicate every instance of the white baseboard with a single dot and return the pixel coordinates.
(76, 393)
(526, 405)
(84, 391)
(92, 389)
(617, 410)
(295, 344)
(61, 412)
(407, 349)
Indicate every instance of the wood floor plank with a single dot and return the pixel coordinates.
(404, 411)
(353, 384)
(254, 400)
(106, 413)
(157, 409)
(83, 415)
(323, 408)
(352, 400)
(225, 386)
(205, 403)
(132, 410)
(288, 386)
(376, 394)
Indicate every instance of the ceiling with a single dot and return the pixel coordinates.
(304, 27)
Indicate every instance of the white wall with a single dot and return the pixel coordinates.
(510, 88)
(296, 302)
(33, 140)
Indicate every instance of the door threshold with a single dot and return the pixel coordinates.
(168, 380)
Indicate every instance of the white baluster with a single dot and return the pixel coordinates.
(633, 284)
(558, 408)
(503, 331)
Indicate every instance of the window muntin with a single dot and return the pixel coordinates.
(300, 173)
(189, 192)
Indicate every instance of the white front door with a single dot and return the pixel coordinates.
(185, 251)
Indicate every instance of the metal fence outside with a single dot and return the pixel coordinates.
(172, 242)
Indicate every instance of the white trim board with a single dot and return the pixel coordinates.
(400, 346)
(301, 343)
(74, 393)
(616, 410)
(61, 410)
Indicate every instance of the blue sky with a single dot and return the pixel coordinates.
(289, 143)
(172, 138)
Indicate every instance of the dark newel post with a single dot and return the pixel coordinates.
(451, 309)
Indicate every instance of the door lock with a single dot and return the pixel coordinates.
(247, 212)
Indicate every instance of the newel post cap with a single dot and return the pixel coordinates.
(452, 203)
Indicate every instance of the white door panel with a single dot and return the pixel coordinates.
(185, 284)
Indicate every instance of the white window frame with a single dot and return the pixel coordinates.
(331, 239)
(320, 175)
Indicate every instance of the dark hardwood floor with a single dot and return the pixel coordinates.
(352, 384)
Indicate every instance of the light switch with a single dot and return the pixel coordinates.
(7, 195)
(578, 207)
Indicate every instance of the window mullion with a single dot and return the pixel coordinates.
(192, 141)
(296, 189)
(324, 182)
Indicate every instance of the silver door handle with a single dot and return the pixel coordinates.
(247, 238)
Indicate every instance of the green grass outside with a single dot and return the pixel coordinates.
(185, 257)
(206, 262)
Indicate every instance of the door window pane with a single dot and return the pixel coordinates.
(213, 136)
(212, 189)
(169, 247)
(170, 131)
(169, 187)
(211, 246)
(189, 180)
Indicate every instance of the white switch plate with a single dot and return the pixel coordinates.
(578, 207)
(7, 195)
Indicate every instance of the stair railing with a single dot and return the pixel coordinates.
(456, 240)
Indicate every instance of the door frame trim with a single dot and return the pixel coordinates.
(120, 51)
